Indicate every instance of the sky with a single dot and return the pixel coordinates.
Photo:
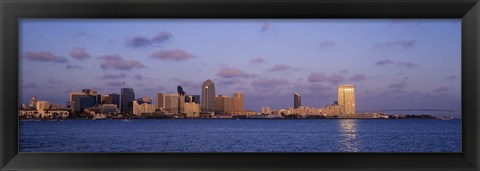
(393, 63)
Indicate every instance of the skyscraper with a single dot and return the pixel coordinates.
(208, 97)
(171, 103)
(181, 100)
(222, 104)
(81, 100)
(346, 98)
(160, 101)
(238, 102)
(126, 98)
(297, 100)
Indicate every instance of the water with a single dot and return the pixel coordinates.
(227, 135)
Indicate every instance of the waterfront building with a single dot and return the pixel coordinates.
(81, 100)
(126, 100)
(41, 107)
(333, 109)
(171, 103)
(56, 113)
(33, 102)
(238, 102)
(110, 109)
(208, 97)
(266, 110)
(111, 99)
(28, 113)
(297, 100)
(346, 98)
(299, 110)
(143, 105)
(192, 109)
(181, 100)
(160, 101)
(222, 104)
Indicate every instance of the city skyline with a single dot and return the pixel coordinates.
(395, 63)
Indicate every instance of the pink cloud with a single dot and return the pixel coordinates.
(45, 57)
(172, 55)
(117, 62)
(79, 53)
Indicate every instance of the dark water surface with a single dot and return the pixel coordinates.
(228, 135)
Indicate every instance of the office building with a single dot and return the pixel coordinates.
(222, 104)
(81, 100)
(192, 109)
(238, 102)
(111, 99)
(208, 97)
(346, 98)
(143, 105)
(160, 101)
(297, 100)
(126, 100)
(181, 100)
(171, 103)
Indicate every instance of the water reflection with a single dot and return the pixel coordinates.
(348, 135)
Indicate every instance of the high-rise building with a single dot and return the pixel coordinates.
(143, 105)
(346, 98)
(160, 100)
(222, 104)
(192, 109)
(171, 103)
(126, 98)
(33, 102)
(238, 102)
(81, 100)
(208, 97)
(181, 100)
(111, 99)
(297, 100)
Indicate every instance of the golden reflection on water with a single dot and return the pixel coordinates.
(348, 135)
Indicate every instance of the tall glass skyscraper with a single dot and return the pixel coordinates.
(208, 97)
(346, 98)
(127, 97)
(297, 100)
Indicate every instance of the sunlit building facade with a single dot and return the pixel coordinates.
(160, 101)
(238, 102)
(222, 104)
(171, 103)
(346, 98)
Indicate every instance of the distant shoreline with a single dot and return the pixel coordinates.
(237, 119)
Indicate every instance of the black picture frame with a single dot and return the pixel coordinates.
(12, 10)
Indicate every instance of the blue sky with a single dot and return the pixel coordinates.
(394, 64)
